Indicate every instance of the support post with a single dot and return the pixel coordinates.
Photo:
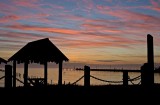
(8, 76)
(125, 78)
(150, 69)
(45, 74)
(147, 70)
(60, 73)
(86, 76)
(150, 51)
(25, 73)
(144, 74)
(14, 73)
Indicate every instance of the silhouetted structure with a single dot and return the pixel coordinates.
(148, 68)
(2, 60)
(8, 76)
(125, 78)
(86, 76)
(40, 51)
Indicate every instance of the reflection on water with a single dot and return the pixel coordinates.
(70, 76)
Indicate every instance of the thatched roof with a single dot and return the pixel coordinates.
(2, 60)
(39, 51)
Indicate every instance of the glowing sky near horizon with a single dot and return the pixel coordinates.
(86, 31)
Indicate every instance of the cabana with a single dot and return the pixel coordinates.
(39, 51)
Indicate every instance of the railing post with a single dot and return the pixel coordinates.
(125, 78)
(25, 73)
(8, 76)
(86, 76)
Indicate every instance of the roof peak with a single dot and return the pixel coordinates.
(41, 50)
(39, 40)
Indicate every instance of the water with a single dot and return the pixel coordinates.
(69, 76)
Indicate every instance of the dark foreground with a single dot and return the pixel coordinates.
(118, 94)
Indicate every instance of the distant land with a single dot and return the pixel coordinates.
(72, 65)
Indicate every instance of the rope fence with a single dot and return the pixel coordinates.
(99, 79)
(77, 80)
(131, 80)
(105, 80)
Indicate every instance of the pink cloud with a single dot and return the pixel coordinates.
(7, 9)
(9, 18)
(81, 38)
(99, 26)
(45, 29)
(124, 43)
(42, 18)
(127, 15)
(22, 36)
(26, 3)
(119, 27)
(16, 10)
(155, 3)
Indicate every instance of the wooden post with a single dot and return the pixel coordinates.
(150, 53)
(45, 74)
(14, 73)
(147, 70)
(8, 76)
(86, 76)
(125, 78)
(144, 74)
(25, 73)
(60, 73)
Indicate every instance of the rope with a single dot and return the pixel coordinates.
(2, 70)
(105, 80)
(19, 80)
(77, 80)
(2, 77)
(132, 83)
(139, 82)
(134, 79)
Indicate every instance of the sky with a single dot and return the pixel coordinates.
(104, 32)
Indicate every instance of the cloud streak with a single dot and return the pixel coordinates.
(80, 38)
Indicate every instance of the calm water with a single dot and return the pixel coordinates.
(70, 76)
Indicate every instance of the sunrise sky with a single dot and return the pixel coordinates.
(86, 31)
